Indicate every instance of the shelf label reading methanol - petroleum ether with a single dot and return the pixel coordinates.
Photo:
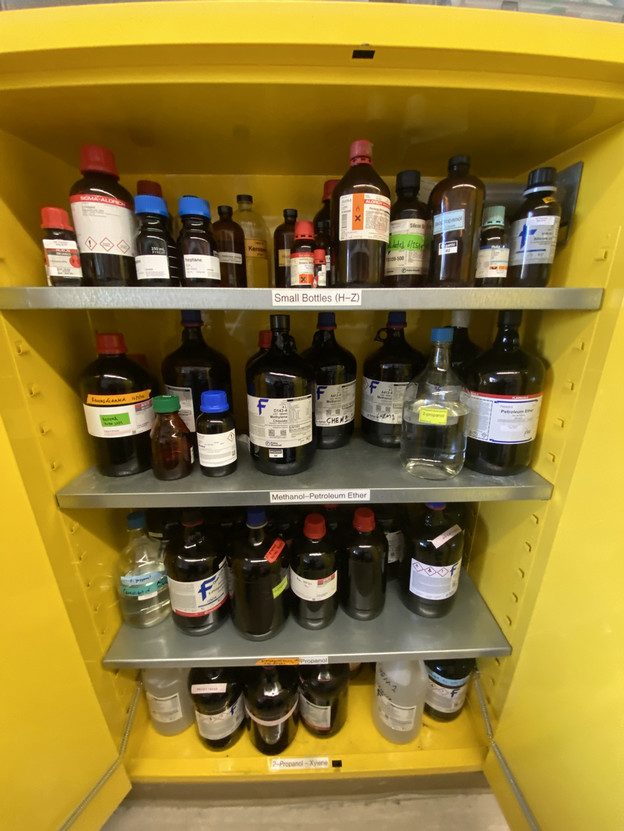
(316, 297)
(326, 496)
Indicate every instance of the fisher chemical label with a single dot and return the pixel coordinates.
(364, 216)
(325, 496)
(382, 401)
(533, 240)
(335, 404)
(309, 763)
(502, 419)
(280, 422)
(221, 725)
(443, 699)
(434, 582)
(199, 597)
(104, 225)
(316, 297)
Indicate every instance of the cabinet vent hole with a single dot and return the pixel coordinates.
(515, 597)
(363, 54)
(336, 763)
(497, 661)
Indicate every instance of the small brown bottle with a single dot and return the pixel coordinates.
(62, 260)
(230, 240)
(456, 205)
(172, 447)
(322, 226)
(283, 239)
(302, 255)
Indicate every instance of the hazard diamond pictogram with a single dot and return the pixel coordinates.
(123, 246)
(90, 243)
(106, 244)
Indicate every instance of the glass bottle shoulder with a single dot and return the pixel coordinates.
(361, 178)
(101, 184)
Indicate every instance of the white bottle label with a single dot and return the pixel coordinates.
(313, 590)
(221, 725)
(492, 262)
(443, 699)
(406, 251)
(445, 536)
(364, 216)
(166, 709)
(280, 422)
(502, 419)
(104, 225)
(208, 689)
(449, 221)
(434, 582)
(382, 401)
(301, 269)
(335, 404)
(272, 722)
(316, 715)
(533, 240)
(142, 586)
(186, 411)
(152, 267)
(199, 597)
(401, 719)
(61, 259)
(216, 450)
(114, 420)
(201, 267)
(396, 546)
(230, 257)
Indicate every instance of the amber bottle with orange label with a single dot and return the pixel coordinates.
(302, 255)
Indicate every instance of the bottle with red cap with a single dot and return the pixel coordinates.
(283, 239)
(314, 575)
(363, 581)
(103, 216)
(360, 221)
(322, 227)
(62, 259)
(230, 239)
(117, 399)
(302, 255)
(320, 268)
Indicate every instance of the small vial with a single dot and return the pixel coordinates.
(62, 259)
(172, 448)
(216, 435)
(320, 268)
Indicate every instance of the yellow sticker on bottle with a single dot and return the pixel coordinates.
(277, 662)
(277, 590)
(116, 400)
(433, 415)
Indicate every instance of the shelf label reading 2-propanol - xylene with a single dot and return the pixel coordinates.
(303, 763)
(327, 496)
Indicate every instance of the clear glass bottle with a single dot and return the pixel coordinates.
(216, 435)
(433, 441)
(407, 254)
(271, 694)
(324, 698)
(172, 443)
(197, 245)
(283, 238)
(362, 581)
(219, 703)
(398, 704)
(493, 256)
(230, 240)
(256, 242)
(168, 700)
(314, 575)
(142, 579)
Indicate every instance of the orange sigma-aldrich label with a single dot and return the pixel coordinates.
(364, 216)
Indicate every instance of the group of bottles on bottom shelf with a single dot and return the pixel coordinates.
(270, 700)
(261, 572)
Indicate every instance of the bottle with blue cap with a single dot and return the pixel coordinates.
(387, 372)
(216, 435)
(198, 248)
(142, 579)
(156, 257)
(433, 440)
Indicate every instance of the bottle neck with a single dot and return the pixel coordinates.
(396, 335)
(194, 222)
(361, 160)
(192, 334)
(324, 336)
(407, 194)
(507, 337)
(245, 206)
(440, 357)
(256, 535)
(281, 340)
(459, 170)
(152, 221)
(135, 534)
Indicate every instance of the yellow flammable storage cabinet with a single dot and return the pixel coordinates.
(218, 98)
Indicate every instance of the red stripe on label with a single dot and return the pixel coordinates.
(275, 550)
(202, 613)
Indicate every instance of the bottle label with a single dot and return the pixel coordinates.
(315, 715)
(449, 221)
(283, 257)
(320, 275)
(401, 719)
(444, 700)
(447, 535)
(275, 550)
(335, 404)
(280, 422)
(273, 722)
(382, 401)
(230, 257)
(438, 416)
(142, 586)
(201, 267)
(61, 259)
(492, 263)
(533, 240)
(502, 419)
(186, 411)
(364, 216)
(199, 597)
(434, 582)
(104, 225)
(396, 546)
(281, 586)
(166, 709)
(208, 689)
(313, 590)
(217, 449)
(108, 422)
(449, 682)
(152, 267)
(301, 269)
(221, 725)
(406, 250)
(255, 248)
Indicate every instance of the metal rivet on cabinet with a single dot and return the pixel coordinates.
(54, 465)
(21, 348)
(44, 428)
(33, 390)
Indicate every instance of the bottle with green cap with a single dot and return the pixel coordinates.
(216, 435)
(172, 446)
(493, 255)
(433, 444)
(407, 254)
(142, 579)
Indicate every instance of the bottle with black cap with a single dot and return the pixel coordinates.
(456, 205)
(280, 387)
(534, 231)
(198, 247)
(230, 240)
(463, 350)
(407, 254)
(335, 370)
(283, 238)
(322, 228)
(504, 389)
(387, 372)
(256, 241)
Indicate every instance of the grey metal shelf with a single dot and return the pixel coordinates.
(358, 473)
(47, 297)
(469, 630)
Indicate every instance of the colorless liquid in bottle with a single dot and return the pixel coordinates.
(434, 451)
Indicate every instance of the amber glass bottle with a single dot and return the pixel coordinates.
(172, 445)
(407, 255)
(230, 241)
(283, 238)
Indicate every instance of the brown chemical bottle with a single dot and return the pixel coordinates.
(407, 254)
(103, 216)
(62, 260)
(456, 205)
(302, 255)
(322, 227)
(172, 444)
(230, 240)
(283, 239)
(360, 222)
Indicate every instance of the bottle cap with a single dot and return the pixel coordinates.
(436, 506)
(397, 320)
(192, 317)
(150, 205)
(94, 157)
(326, 320)
(214, 401)
(224, 211)
(55, 218)
(328, 188)
(511, 317)
(280, 321)
(456, 161)
(264, 338)
(135, 520)
(256, 517)
(110, 343)
(320, 257)
(244, 197)
(442, 334)
(166, 403)
(408, 180)
(494, 215)
(314, 527)
(304, 229)
(460, 318)
(290, 214)
(542, 176)
(363, 519)
(192, 517)
(193, 206)
(145, 187)
(361, 151)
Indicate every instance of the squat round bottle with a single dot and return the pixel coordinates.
(314, 575)
(172, 445)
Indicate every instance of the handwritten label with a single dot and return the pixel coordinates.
(326, 496)
(277, 662)
(447, 535)
(275, 550)
(317, 297)
(302, 763)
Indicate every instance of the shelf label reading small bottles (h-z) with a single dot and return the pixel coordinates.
(316, 297)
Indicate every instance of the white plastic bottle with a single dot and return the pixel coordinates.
(168, 699)
(400, 688)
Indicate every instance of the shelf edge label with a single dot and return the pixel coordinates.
(316, 297)
(301, 763)
(326, 496)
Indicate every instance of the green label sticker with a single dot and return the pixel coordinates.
(433, 415)
(277, 590)
(115, 420)
(406, 242)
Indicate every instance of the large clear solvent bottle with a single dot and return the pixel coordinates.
(400, 688)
